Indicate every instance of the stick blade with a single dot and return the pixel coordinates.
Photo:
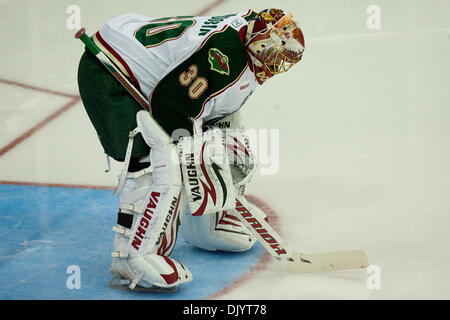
(317, 262)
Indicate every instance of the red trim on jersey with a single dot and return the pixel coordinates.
(220, 92)
(249, 11)
(242, 33)
(119, 58)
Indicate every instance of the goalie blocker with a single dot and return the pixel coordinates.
(216, 166)
(206, 173)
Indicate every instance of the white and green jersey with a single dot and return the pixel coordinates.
(192, 69)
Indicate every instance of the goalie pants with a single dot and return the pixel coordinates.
(110, 108)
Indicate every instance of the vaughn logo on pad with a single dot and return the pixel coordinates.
(206, 173)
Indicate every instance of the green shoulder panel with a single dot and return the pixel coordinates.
(216, 65)
(252, 14)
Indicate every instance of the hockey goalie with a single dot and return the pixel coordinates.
(182, 172)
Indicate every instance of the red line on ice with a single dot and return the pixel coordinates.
(30, 87)
(210, 7)
(39, 125)
(57, 185)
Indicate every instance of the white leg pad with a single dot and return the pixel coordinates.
(218, 231)
(159, 211)
(141, 253)
(151, 270)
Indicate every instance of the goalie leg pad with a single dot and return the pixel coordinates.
(141, 252)
(134, 191)
(160, 210)
(149, 266)
(218, 231)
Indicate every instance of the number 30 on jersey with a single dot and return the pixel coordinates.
(197, 85)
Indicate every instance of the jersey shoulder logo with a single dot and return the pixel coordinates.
(219, 62)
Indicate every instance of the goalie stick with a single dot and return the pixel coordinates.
(293, 261)
(96, 51)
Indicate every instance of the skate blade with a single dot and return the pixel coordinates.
(120, 284)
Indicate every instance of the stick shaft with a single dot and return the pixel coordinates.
(115, 71)
(251, 218)
(294, 261)
(92, 47)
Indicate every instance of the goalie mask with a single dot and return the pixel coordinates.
(274, 43)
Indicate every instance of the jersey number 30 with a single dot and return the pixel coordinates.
(197, 85)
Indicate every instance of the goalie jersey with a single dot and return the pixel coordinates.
(194, 70)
